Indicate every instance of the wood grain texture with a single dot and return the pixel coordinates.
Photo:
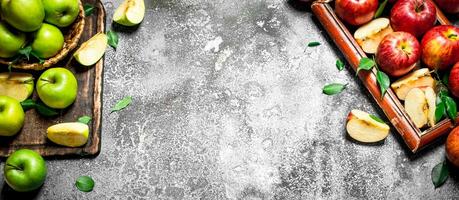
(414, 138)
(88, 102)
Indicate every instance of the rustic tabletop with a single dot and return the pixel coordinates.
(228, 103)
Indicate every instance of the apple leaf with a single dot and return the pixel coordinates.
(112, 39)
(366, 64)
(85, 119)
(339, 65)
(377, 119)
(440, 174)
(25, 51)
(383, 81)
(451, 107)
(44, 110)
(313, 44)
(440, 110)
(88, 9)
(28, 104)
(84, 183)
(334, 88)
(381, 8)
(123, 103)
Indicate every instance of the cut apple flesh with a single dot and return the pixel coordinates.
(416, 79)
(72, 134)
(92, 50)
(431, 102)
(130, 12)
(16, 85)
(371, 34)
(417, 107)
(361, 127)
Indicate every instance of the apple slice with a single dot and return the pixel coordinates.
(370, 35)
(431, 99)
(418, 78)
(362, 127)
(16, 85)
(73, 134)
(92, 50)
(417, 107)
(130, 13)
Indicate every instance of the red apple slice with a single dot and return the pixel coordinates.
(364, 128)
(416, 107)
(370, 35)
(431, 98)
(418, 78)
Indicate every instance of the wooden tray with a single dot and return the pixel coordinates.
(88, 102)
(414, 138)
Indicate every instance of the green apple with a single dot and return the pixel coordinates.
(24, 15)
(61, 13)
(92, 50)
(57, 88)
(11, 40)
(17, 85)
(48, 41)
(71, 134)
(11, 116)
(25, 170)
(130, 12)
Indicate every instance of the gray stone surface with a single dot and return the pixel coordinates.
(227, 104)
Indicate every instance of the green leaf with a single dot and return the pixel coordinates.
(366, 64)
(84, 119)
(445, 78)
(451, 107)
(377, 119)
(440, 110)
(25, 51)
(334, 88)
(123, 103)
(112, 39)
(28, 104)
(380, 9)
(44, 110)
(339, 65)
(88, 9)
(440, 174)
(41, 60)
(313, 44)
(84, 183)
(383, 81)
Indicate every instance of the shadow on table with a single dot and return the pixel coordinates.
(8, 193)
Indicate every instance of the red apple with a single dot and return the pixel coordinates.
(413, 16)
(448, 6)
(452, 147)
(356, 12)
(398, 53)
(453, 82)
(440, 47)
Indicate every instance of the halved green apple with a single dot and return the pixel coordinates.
(16, 85)
(130, 13)
(92, 50)
(72, 134)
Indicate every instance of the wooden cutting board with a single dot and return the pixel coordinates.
(88, 102)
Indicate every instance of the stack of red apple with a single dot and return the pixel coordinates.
(405, 42)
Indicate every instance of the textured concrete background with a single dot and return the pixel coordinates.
(228, 105)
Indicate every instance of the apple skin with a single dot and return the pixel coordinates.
(453, 80)
(452, 147)
(25, 170)
(11, 40)
(48, 41)
(11, 116)
(356, 12)
(448, 6)
(57, 88)
(61, 13)
(440, 47)
(24, 15)
(398, 53)
(413, 16)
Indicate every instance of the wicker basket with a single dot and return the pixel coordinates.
(71, 39)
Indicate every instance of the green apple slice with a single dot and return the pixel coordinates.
(17, 85)
(92, 50)
(130, 12)
(72, 134)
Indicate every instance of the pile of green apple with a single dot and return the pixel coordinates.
(35, 23)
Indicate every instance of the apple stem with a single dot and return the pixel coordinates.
(452, 36)
(46, 80)
(15, 167)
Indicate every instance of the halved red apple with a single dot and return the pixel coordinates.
(415, 79)
(370, 35)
